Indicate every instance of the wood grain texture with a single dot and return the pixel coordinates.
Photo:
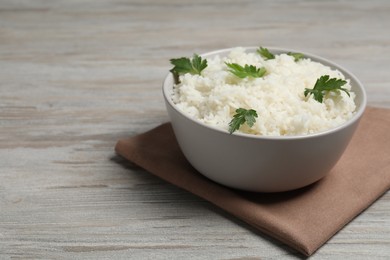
(78, 75)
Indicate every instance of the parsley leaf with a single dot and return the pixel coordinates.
(242, 115)
(246, 71)
(185, 65)
(264, 52)
(267, 55)
(323, 85)
(297, 56)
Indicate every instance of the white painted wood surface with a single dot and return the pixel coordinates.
(75, 76)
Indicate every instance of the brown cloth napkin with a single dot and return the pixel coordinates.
(303, 219)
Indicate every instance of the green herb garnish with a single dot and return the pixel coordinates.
(242, 116)
(297, 56)
(323, 85)
(185, 65)
(265, 53)
(246, 71)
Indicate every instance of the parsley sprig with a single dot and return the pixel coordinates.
(265, 53)
(185, 65)
(241, 117)
(246, 71)
(296, 55)
(324, 85)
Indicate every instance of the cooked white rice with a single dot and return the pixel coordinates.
(278, 97)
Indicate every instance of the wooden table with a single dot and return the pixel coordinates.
(75, 76)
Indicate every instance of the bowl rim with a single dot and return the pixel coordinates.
(166, 88)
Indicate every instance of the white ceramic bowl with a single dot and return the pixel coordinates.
(259, 163)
